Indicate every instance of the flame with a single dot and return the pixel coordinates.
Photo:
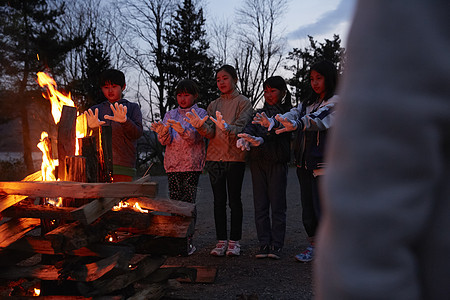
(125, 204)
(36, 292)
(57, 99)
(48, 163)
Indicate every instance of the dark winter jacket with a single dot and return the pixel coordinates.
(124, 135)
(276, 147)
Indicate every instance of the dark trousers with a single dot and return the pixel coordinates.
(269, 196)
(309, 193)
(226, 182)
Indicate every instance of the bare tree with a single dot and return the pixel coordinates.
(145, 21)
(221, 35)
(260, 45)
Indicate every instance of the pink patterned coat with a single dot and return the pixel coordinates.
(184, 152)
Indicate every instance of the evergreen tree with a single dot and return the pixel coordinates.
(31, 41)
(186, 55)
(304, 58)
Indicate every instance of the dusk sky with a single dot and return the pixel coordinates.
(320, 19)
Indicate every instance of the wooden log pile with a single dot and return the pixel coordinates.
(100, 249)
(89, 247)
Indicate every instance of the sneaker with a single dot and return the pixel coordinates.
(220, 249)
(275, 252)
(234, 248)
(263, 252)
(306, 255)
(191, 248)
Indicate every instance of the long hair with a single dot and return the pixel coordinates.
(328, 70)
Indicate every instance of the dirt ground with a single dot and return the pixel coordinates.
(245, 277)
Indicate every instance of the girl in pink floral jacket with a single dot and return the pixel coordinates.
(185, 148)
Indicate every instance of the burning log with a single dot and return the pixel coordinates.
(66, 137)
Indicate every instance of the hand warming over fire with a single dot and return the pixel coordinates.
(119, 113)
(92, 118)
(194, 119)
(263, 120)
(160, 128)
(176, 126)
(219, 121)
(288, 124)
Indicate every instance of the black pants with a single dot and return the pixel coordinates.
(226, 182)
(309, 193)
(269, 197)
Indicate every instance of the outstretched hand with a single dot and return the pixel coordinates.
(176, 126)
(194, 119)
(288, 124)
(160, 128)
(263, 120)
(119, 113)
(92, 118)
(219, 121)
(254, 141)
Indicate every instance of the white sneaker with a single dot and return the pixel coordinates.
(220, 249)
(234, 248)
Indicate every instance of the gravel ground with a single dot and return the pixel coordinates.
(245, 277)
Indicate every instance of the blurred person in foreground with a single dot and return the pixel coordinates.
(386, 210)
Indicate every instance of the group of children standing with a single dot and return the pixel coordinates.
(230, 128)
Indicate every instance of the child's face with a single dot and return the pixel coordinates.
(112, 92)
(272, 95)
(318, 83)
(185, 100)
(225, 82)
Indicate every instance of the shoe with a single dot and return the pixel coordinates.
(221, 248)
(191, 248)
(275, 252)
(306, 255)
(234, 248)
(263, 252)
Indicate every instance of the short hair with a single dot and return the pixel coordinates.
(328, 70)
(187, 86)
(229, 69)
(112, 76)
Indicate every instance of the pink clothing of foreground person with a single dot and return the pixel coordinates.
(384, 232)
(185, 150)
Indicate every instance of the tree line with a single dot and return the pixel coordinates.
(155, 42)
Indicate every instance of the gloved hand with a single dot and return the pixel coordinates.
(288, 124)
(92, 118)
(193, 118)
(263, 120)
(176, 126)
(219, 121)
(119, 113)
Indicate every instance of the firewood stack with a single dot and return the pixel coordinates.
(89, 247)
